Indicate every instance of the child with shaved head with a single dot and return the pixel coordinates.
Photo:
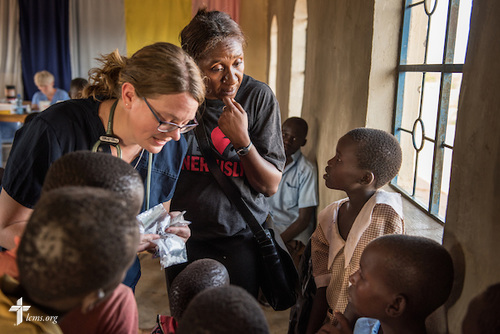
(401, 280)
(223, 310)
(198, 276)
(78, 245)
(365, 160)
(96, 169)
(84, 168)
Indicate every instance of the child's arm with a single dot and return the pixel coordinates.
(319, 256)
(318, 311)
(342, 327)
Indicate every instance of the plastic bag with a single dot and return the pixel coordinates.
(171, 249)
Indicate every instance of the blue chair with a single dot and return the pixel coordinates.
(7, 132)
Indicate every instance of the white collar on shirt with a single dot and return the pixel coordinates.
(360, 224)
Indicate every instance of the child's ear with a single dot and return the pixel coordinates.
(304, 142)
(396, 307)
(91, 300)
(367, 178)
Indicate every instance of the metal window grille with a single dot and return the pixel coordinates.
(434, 39)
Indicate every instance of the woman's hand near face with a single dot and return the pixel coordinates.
(234, 123)
(263, 176)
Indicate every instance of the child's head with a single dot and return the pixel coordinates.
(76, 248)
(482, 315)
(364, 155)
(294, 132)
(196, 277)
(223, 310)
(95, 169)
(76, 87)
(401, 276)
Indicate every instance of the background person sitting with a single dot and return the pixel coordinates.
(44, 80)
(293, 207)
(76, 87)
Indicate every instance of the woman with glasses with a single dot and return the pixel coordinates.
(133, 107)
(242, 122)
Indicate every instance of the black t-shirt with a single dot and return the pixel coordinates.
(211, 212)
(69, 126)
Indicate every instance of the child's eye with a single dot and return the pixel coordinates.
(338, 159)
(217, 69)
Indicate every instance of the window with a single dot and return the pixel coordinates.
(433, 49)
(297, 69)
(273, 63)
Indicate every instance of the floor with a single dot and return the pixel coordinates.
(151, 296)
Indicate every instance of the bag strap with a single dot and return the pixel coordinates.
(229, 188)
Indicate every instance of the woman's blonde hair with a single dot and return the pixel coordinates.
(157, 69)
(43, 78)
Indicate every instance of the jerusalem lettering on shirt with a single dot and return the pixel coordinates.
(196, 163)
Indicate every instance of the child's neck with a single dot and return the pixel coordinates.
(403, 327)
(350, 210)
(357, 199)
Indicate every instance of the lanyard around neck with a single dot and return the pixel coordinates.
(109, 138)
(112, 140)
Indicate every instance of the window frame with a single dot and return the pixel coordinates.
(446, 70)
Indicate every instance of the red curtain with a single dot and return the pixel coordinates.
(232, 7)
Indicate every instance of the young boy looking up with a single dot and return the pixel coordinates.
(401, 280)
(76, 249)
(365, 160)
(293, 207)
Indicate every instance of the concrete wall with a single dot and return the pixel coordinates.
(472, 227)
(256, 53)
(352, 50)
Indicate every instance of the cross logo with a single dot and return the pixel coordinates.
(19, 308)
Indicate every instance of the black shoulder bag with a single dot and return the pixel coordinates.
(280, 278)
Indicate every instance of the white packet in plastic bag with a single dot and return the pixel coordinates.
(170, 248)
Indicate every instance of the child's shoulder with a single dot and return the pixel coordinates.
(390, 199)
(332, 208)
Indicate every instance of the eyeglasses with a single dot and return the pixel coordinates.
(169, 126)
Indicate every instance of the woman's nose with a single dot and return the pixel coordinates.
(229, 78)
(176, 134)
